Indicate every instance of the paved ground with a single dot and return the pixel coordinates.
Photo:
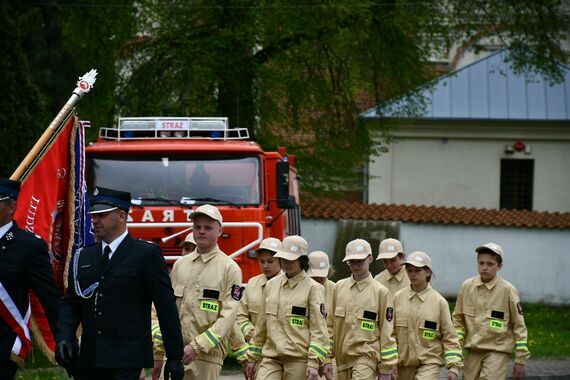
(543, 369)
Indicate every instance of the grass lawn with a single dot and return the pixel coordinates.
(548, 326)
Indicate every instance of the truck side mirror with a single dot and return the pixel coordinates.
(282, 185)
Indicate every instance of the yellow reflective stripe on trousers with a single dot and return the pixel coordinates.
(242, 352)
(453, 353)
(318, 349)
(212, 337)
(521, 345)
(389, 353)
(244, 326)
(331, 344)
(460, 334)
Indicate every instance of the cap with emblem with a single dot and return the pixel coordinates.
(418, 259)
(105, 200)
(389, 248)
(357, 250)
(292, 248)
(9, 189)
(318, 264)
(208, 210)
(493, 247)
(269, 244)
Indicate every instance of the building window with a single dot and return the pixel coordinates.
(517, 177)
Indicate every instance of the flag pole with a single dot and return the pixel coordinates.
(84, 85)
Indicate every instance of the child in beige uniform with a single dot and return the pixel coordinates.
(489, 319)
(363, 320)
(394, 276)
(426, 337)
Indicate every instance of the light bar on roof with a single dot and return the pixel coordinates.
(211, 124)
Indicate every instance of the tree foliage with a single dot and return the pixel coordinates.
(295, 74)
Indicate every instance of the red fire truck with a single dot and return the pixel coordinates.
(171, 165)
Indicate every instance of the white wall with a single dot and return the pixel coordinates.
(536, 261)
(458, 172)
(320, 234)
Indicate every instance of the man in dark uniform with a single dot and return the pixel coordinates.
(112, 286)
(24, 266)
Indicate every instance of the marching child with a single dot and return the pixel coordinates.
(489, 320)
(363, 312)
(426, 337)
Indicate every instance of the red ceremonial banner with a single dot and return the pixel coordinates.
(45, 208)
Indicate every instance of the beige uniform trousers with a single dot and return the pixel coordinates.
(486, 365)
(423, 372)
(271, 369)
(202, 370)
(358, 372)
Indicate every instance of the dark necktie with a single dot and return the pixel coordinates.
(105, 257)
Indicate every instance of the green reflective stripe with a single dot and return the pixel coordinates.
(158, 339)
(331, 343)
(521, 345)
(318, 349)
(244, 326)
(212, 338)
(389, 353)
(460, 333)
(241, 352)
(449, 354)
(255, 348)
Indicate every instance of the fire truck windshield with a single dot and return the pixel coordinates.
(163, 179)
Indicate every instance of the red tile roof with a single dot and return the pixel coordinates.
(330, 209)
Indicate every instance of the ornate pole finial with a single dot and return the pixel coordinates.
(86, 82)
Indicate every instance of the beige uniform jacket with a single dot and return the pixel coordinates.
(424, 330)
(291, 325)
(363, 323)
(207, 290)
(394, 282)
(250, 303)
(490, 317)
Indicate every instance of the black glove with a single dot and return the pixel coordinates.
(173, 369)
(65, 353)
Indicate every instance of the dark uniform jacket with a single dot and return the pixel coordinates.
(116, 319)
(25, 265)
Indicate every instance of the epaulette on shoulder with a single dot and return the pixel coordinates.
(31, 234)
(146, 241)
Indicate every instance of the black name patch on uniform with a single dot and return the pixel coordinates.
(519, 308)
(298, 310)
(211, 293)
(497, 314)
(323, 311)
(369, 315)
(237, 292)
(430, 325)
(389, 314)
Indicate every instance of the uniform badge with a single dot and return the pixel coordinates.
(10, 235)
(389, 314)
(323, 311)
(237, 292)
(519, 308)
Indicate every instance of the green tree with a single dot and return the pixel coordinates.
(295, 74)
(21, 108)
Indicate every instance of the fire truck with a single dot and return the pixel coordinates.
(172, 165)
